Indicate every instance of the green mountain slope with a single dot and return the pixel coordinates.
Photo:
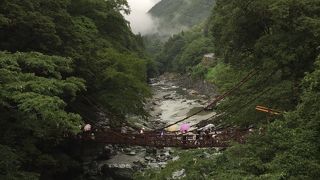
(279, 40)
(62, 64)
(176, 15)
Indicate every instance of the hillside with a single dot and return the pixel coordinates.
(276, 41)
(62, 65)
(176, 15)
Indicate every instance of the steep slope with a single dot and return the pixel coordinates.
(176, 15)
(282, 47)
(63, 63)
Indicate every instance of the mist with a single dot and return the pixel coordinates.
(140, 20)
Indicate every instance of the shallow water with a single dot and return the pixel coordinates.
(175, 103)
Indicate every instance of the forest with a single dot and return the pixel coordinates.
(174, 16)
(280, 41)
(61, 62)
(65, 62)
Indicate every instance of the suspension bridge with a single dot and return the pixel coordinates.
(160, 138)
(219, 139)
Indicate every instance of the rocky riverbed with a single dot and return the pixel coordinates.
(171, 101)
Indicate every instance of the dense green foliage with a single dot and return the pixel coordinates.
(171, 18)
(282, 43)
(83, 30)
(196, 164)
(78, 57)
(243, 38)
(174, 16)
(287, 149)
(184, 50)
(35, 90)
(63, 61)
(280, 40)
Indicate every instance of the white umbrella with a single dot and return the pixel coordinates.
(209, 126)
(87, 127)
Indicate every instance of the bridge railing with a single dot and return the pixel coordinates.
(153, 139)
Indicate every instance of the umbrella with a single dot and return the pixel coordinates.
(173, 128)
(184, 128)
(207, 127)
(87, 127)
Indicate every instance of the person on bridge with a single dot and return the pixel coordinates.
(207, 135)
(123, 130)
(87, 128)
(142, 130)
(197, 136)
(162, 133)
(184, 138)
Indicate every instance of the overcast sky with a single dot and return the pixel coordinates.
(140, 21)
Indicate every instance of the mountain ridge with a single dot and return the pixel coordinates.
(173, 16)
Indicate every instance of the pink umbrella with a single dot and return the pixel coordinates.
(87, 127)
(184, 128)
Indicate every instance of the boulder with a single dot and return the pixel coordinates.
(107, 152)
(127, 150)
(168, 96)
(162, 164)
(138, 165)
(175, 158)
(193, 92)
(153, 165)
(124, 173)
(179, 174)
(132, 153)
(203, 96)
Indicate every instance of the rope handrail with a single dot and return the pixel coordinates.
(219, 139)
(265, 81)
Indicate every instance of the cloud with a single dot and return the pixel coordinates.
(140, 20)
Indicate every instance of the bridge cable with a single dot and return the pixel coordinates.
(238, 110)
(266, 81)
(219, 98)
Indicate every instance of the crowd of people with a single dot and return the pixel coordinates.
(195, 136)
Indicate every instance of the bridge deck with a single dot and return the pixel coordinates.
(221, 139)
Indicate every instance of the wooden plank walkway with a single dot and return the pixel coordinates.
(152, 139)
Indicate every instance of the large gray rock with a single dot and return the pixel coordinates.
(153, 165)
(168, 96)
(179, 174)
(138, 165)
(175, 158)
(162, 164)
(193, 92)
(123, 173)
(107, 152)
(132, 153)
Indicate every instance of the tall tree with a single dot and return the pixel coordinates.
(35, 90)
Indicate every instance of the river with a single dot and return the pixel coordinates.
(170, 102)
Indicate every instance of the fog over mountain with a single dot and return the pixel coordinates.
(173, 16)
(140, 20)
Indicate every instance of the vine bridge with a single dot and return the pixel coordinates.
(220, 139)
(159, 138)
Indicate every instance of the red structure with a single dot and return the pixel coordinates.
(152, 139)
